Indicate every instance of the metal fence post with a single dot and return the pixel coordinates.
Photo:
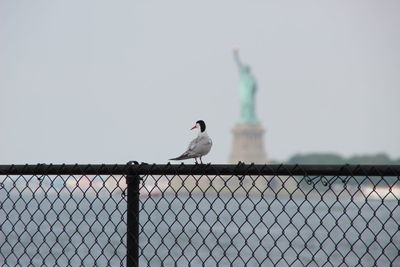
(133, 182)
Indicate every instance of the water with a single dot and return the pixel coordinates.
(184, 230)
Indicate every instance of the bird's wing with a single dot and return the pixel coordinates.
(190, 152)
(200, 146)
(194, 143)
(197, 147)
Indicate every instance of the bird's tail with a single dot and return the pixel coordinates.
(182, 157)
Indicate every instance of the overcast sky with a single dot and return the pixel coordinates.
(112, 81)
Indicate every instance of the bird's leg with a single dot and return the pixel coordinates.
(196, 160)
(201, 161)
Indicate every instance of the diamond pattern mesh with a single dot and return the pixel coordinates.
(194, 219)
(220, 220)
(66, 220)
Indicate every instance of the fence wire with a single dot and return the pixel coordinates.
(64, 220)
(191, 215)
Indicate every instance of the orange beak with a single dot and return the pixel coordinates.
(194, 127)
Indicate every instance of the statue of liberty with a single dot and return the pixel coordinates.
(247, 90)
(248, 141)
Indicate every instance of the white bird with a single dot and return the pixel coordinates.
(200, 146)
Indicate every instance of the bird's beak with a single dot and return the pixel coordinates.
(194, 127)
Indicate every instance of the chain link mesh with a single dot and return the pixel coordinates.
(62, 220)
(210, 219)
(259, 220)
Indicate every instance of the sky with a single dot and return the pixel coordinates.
(100, 81)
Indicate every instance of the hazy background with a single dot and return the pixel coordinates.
(112, 81)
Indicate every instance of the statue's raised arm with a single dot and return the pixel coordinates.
(237, 58)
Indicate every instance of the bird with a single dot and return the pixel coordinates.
(198, 147)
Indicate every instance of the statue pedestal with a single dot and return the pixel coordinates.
(248, 144)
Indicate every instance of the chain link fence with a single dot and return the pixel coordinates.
(199, 215)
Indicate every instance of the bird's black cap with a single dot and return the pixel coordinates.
(202, 125)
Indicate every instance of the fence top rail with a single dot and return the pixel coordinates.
(199, 169)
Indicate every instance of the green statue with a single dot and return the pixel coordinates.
(247, 91)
